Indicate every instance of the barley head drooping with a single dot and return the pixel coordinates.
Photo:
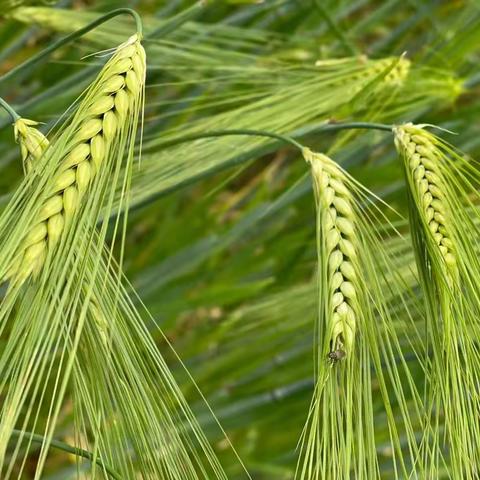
(337, 231)
(105, 111)
(427, 187)
(445, 238)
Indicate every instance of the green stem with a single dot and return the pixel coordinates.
(332, 126)
(15, 116)
(325, 127)
(176, 21)
(225, 133)
(79, 452)
(69, 38)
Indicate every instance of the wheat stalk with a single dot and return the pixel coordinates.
(102, 115)
(427, 187)
(337, 224)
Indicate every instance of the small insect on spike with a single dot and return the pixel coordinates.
(336, 356)
(109, 109)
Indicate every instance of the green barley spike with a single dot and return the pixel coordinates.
(101, 115)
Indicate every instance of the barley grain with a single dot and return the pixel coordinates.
(337, 224)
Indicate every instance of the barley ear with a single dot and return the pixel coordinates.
(337, 248)
(354, 336)
(427, 186)
(445, 236)
(103, 118)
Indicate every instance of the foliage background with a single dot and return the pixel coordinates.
(221, 239)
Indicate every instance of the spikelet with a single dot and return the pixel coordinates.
(32, 142)
(337, 224)
(104, 112)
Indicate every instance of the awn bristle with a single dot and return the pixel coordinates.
(32, 142)
(337, 224)
(426, 184)
(105, 112)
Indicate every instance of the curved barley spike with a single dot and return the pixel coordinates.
(139, 422)
(107, 329)
(427, 186)
(443, 234)
(389, 72)
(338, 233)
(101, 116)
(354, 336)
